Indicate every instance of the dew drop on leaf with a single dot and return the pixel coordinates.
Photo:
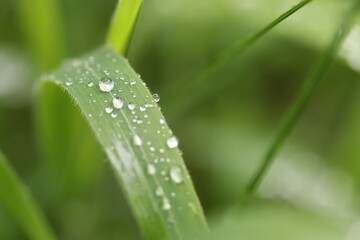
(176, 174)
(108, 109)
(166, 204)
(131, 106)
(118, 103)
(156, 97)
(172, 142)
(106, 84)
(151, 169)
(137, 140)
(159, 191)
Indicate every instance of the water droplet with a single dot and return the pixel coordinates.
(90, 84)
(131, 106)
(172, 142)
(106, 72)
(166, 204)
(176, 174)
(159, 191)
(162, 121)
(156, 97)
(142, 108)
(108, 109)
(137, 140)
(68, 83)
(113, 115)
(118, 103)
(106, 84)
(132, 82)
(151, 169)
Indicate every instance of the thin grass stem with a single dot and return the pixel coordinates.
(299, 103)
(123, 24)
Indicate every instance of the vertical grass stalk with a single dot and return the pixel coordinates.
(122, 25)
(43, 30)
(300, 102)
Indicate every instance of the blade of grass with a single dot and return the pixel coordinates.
(18, 203)
(72, 157)
(43, 31)
(122, 25)
(137, 141)
(300, 102)
(178, 101)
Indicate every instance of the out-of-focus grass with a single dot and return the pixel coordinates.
(123, 24)
(300, 102)
(17, 202)
(223, 137)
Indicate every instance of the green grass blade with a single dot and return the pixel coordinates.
(135, 138)
(43, 31)
(17, 202)
(122, 25)
(72, 170)
(198, 87)
(299, 104)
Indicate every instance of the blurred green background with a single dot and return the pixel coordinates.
(311, 192)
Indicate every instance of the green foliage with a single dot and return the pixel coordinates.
(43, 30)
(205, 80)
(16, 201)
(141, 148)
(123, 24)
(300, 102)
(236, 103)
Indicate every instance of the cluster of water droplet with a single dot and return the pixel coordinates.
(120, 92)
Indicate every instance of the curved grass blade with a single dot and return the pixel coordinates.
(141, 148)
(122, 25)
(299, 104)
(17, 202)
(201, 84)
